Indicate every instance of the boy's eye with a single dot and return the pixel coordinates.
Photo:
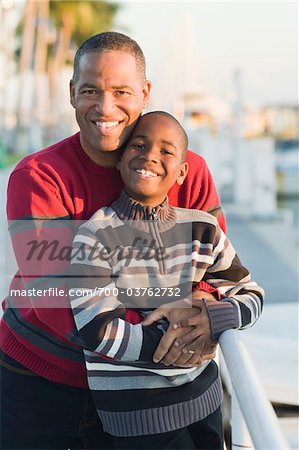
(89, 91)
(164, 151)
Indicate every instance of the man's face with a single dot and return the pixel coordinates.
(151, 163)
(108, 97)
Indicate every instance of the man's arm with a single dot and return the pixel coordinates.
(40, 228)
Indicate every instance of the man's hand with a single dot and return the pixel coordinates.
(187, 342)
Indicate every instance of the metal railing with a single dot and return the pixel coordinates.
(250, 408)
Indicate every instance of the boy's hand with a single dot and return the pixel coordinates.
(187, 342)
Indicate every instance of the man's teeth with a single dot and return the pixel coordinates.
(106, 125)
(146, 173)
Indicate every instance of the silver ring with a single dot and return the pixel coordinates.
(191, 351)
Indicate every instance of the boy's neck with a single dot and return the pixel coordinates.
(147, 202)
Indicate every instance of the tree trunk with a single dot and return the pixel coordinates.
(56, 66)
(25, 97)
(41, 96)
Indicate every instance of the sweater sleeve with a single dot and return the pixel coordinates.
(99, 315)
(40, 229)
(241, 298)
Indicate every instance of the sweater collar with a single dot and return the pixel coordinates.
(129, 209)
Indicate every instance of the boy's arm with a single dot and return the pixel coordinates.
(240, 306)
(99, 316)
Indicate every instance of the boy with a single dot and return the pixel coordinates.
(127, 260)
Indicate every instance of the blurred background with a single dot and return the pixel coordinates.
(229, 72)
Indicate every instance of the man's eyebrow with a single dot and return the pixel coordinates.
(122, 87)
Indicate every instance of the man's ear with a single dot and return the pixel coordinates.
(146, 92)
(72, 94)
(118, 164)
(184, 167)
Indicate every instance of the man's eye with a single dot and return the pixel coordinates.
(122, 93)
(138, 146)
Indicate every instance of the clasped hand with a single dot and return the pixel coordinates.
(187, 342)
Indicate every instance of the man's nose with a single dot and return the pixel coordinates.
(105, 104)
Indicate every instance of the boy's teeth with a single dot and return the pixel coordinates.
(106, 124)
(146, 173)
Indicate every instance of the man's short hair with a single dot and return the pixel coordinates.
(176, 123)
(108, 42)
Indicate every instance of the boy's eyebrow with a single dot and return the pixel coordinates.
(141, 136)
(168, 143)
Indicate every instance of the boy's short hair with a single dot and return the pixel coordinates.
(176, 123)
(108, 42)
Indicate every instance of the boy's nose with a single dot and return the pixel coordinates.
(151, 153)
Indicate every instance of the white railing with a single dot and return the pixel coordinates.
(249, 400)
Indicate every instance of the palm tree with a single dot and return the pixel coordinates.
(43, 52)
(75, 21)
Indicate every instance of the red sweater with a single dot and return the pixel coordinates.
(62, 182)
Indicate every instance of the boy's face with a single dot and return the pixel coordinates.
(151, 162)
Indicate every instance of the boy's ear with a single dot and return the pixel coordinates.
(184, 167)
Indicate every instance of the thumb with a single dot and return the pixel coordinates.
(158, 314)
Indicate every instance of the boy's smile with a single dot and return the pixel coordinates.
(152, 160)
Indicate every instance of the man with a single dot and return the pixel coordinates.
(46, 404)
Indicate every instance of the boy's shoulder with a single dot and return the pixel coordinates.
(195, 215)
(103, 218)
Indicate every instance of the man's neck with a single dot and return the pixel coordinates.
(103, 159)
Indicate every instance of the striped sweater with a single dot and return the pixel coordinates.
(125, 257)
(47, 192)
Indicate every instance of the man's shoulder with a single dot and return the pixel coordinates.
(195, 159)
(51, 155)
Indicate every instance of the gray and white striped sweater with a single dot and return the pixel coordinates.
(123, 256)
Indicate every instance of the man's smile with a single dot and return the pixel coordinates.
(107, 125)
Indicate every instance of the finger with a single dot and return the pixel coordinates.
(184, 359)
(196, 361)
(188, 338)
(176, 354)
(164, 345)
(191, 322)
(154, 316)
(208, 356)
